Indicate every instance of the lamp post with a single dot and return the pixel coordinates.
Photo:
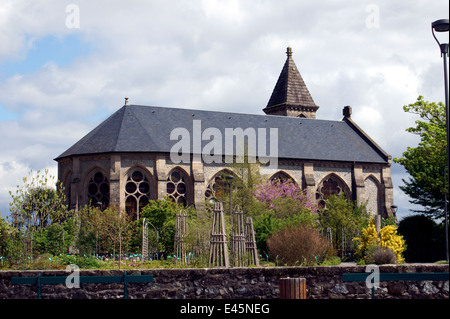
(439, 26)
(394, 209)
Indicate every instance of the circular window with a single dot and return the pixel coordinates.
(137, 176)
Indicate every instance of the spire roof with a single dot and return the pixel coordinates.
(290, 89)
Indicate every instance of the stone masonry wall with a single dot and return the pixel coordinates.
(323, 282)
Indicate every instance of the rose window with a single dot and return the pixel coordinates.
(326, 188)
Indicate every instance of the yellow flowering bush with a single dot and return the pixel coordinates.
(388, 238)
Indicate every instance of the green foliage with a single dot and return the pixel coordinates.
(11, 245)
(161, 213)
(265, 225)
(425, 163)
(343, 216)
(37, 204)
(88, 240)
(104, 231)
(82, 261)
(424, 237)
(56, 238)
(268, 223)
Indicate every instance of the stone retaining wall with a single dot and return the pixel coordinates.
(324, 282)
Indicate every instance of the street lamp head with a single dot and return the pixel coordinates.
(230, 178)
(441, 25)
(394, 209)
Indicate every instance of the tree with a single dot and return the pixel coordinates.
(344, 217)
(425, 163)
(424, 238)
(285, 198)
(11, 246)
(161, 213)
(286, 204)
(37, 203)
(115, 225)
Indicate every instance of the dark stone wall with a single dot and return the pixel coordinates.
(323, 282)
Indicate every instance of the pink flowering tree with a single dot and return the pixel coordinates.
(285, 198)
(286, 205)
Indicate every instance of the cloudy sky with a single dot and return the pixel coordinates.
(67, 65)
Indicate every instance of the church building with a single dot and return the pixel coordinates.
(128, 159)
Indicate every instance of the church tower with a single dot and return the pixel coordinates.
(291, 97)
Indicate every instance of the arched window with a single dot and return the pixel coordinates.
(98, 190)
(67, 188)
(331, 185)
(137, 193)
(218, 185)
(177, 187)
(215, 188)
(282, 177)
(372, 192)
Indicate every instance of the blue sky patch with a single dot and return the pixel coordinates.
(7, 115)
(58, 50)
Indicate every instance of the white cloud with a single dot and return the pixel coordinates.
(217, 55)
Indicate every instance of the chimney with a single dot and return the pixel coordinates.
(347, 112)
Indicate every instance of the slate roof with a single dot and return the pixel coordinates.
(290, 89)
(138, 128)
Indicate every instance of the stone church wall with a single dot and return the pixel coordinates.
(361, 183)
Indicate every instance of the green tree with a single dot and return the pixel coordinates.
(88, 239)
(11, 246)
(344, 217)
(115, 225)
(424, 238)
(37, 203)
(425, 163)
(285, 205)
(56, 238)
(161, 213)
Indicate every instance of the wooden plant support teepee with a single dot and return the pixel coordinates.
(218, 246)
(237, 238)
(250, 243)
(180, 234)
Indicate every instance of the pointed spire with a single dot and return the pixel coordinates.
(290, 96)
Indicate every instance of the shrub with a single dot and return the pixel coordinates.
(83, 262)
(388, 238)
(424, 237)
(380, 255)
(299, 245)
